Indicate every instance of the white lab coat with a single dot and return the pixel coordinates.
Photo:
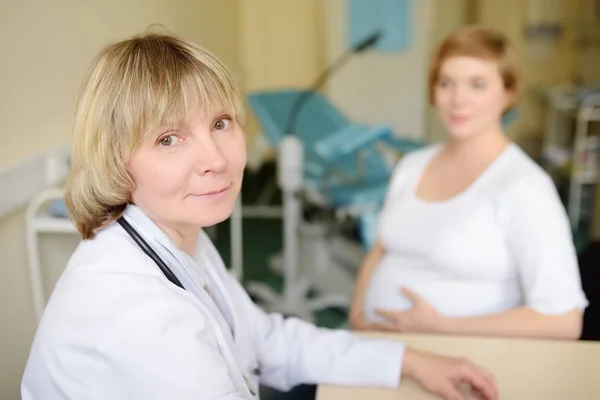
(116, 328)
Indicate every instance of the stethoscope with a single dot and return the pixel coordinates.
(139, 240)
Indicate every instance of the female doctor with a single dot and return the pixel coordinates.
(145, 308)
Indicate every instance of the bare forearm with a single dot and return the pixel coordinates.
(519, 322)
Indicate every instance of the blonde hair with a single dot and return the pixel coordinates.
(134, 88)
(483, 43)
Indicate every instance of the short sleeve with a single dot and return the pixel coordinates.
(540, 241)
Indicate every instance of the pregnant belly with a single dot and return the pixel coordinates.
(451, 298)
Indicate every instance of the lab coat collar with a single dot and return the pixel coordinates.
(145, 224)
(153, 234)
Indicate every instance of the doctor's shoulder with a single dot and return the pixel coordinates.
(108, 279)
(111, 249)
(110, 308)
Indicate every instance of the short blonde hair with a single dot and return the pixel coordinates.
(134, 88)
(483, 43)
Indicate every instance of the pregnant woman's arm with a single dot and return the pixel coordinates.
(519, 322)
(539, 238)
(356, 317)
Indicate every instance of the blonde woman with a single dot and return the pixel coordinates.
(145, 308)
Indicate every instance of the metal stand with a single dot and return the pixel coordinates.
(582, 174)
(295, 298)
(41, 224)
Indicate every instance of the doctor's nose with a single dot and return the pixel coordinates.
(209, 157)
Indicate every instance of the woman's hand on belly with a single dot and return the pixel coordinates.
(421, 317)
(358, 322)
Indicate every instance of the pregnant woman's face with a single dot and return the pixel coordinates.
(470, 96)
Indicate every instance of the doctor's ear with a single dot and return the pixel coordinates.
(130, 198)
(129, 187)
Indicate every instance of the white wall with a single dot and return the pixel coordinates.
(379, 87)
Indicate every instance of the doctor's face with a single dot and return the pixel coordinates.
(189, 177)
(470, 96)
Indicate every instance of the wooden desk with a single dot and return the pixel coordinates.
(524, 369)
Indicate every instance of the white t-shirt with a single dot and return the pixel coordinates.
(502, 243)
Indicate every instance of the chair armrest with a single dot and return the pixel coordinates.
(403, 145)
(349, 140)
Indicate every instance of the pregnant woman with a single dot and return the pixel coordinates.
(473, 238)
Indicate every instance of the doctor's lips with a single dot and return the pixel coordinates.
(211, 193)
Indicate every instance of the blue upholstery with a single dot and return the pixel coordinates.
(345, 162)
(342, 162)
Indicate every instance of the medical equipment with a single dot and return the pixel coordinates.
(364, 44)
(585, 170)
(146, 248)
(36, 223)
(340, 170)
(568, 154)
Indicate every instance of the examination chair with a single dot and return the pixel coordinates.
(333, 173)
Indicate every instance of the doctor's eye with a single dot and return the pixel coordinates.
(167, 140)
(223, 123)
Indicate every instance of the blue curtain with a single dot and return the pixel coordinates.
(393, 18)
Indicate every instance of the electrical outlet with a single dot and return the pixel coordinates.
(57, 165)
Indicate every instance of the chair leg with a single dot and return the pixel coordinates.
(302, 248)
